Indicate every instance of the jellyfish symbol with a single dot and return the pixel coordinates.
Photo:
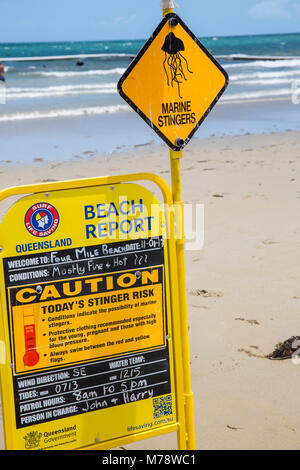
(174, 61)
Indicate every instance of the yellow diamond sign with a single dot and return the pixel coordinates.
(173, 82)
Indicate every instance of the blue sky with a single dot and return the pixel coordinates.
(61, 20)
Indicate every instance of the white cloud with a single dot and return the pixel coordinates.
(118, 20)
(124, 20)
(271, 10)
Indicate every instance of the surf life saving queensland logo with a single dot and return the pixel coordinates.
(41, 219)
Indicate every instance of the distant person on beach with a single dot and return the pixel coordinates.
(2, 73)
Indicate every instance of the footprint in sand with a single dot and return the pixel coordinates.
(89, 152)
(144, 144)
(45, 180)
(252, 322)
(269, 242)
(251, 354)
(190, 168)
(233, 428)
(206, 293)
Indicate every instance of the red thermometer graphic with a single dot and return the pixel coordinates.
(31, 356)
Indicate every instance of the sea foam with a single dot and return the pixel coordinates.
(64, 113)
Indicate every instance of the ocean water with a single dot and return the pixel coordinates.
(56, 110)
(44, 88)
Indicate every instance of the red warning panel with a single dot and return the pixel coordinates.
(31, 356)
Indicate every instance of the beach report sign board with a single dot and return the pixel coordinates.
(86, 320)
(173, 82)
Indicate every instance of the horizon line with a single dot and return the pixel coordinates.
(145, 39)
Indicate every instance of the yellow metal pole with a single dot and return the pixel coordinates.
(176, 191)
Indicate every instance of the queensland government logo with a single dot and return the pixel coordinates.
(41, 219)
(32, 439)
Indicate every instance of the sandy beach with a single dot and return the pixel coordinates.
(242, 287)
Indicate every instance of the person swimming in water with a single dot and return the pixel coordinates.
(2, 72)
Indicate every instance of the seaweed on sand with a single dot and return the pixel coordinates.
(287, 349)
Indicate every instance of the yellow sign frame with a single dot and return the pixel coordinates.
(184, 401)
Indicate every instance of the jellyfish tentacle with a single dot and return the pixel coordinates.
(174, 69)
(166, 60)
(176, 74)
(187, 65)
(180, 67)
(178, 85)
(177, 65)
(170, 59)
